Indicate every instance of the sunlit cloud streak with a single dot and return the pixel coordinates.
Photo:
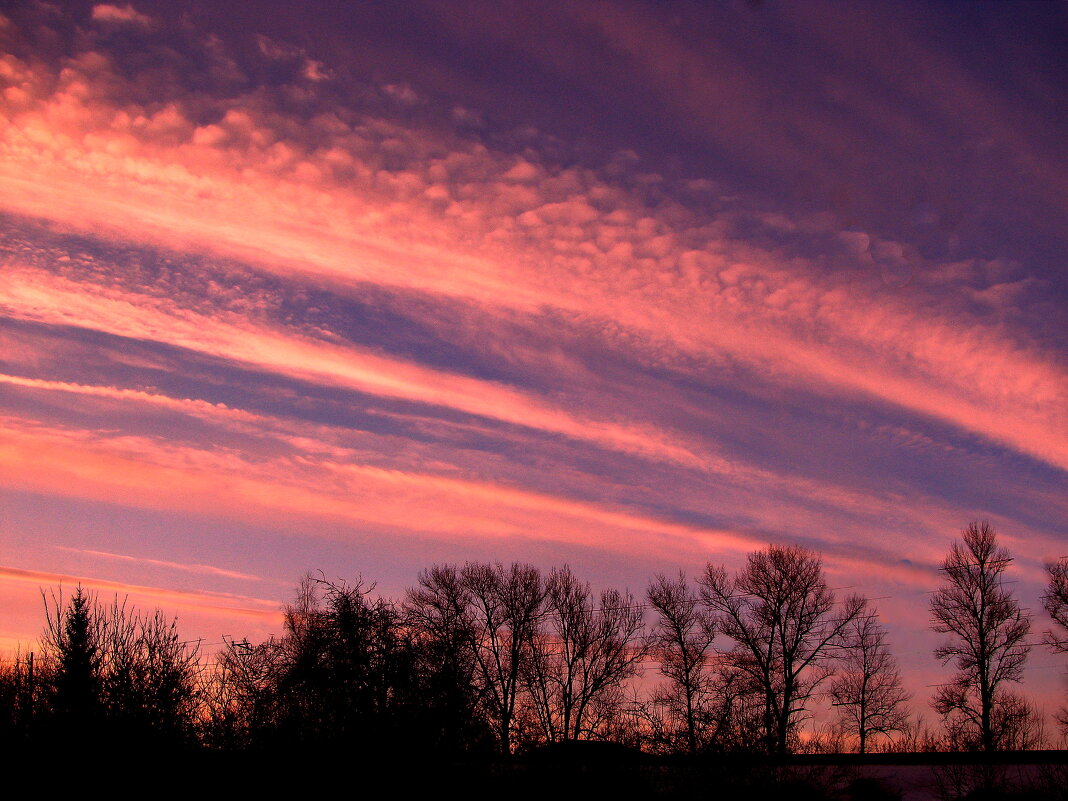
(59, 302)
(305, 482)
(233, 606)
(189, 568)
(143, 472)
(122, 15)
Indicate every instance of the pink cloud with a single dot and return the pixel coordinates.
(308, 485)
(279, 206)
(316, 456)
(189, 406)
(123, 15)
(148, 474)
(44, 298)
(223, 604)
(182, 566)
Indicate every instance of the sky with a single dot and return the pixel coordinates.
(631, 286)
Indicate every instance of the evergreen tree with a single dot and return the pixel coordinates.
(72, 641)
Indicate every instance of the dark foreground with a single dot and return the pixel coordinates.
(582, 771)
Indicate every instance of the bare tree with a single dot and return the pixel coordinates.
(583, 655)
(988, 631)
(150, 675)
(867, 690)
(440, 616)
(349, 672)
(505, 607)
(441, 609)
(1019, 723)
(23, 696)
(240, 701)
(785, 624)
(1055, 600)
(682, 640)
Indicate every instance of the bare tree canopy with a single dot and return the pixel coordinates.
(583, 654)
(345, 665)
(505, 606)
(239, 693)
(1055, 600)
(867, 690)
(987, 632)
(786, 626)
(683, 640)
(439, 615)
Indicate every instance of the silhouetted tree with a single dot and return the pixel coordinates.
(23, 685)
(128, 675)
(783, 620)
(439, 614)
(867, 690)
(1055, 601)
(682, 640)
(735, 719)
(72, 642)
(1017, 725)
(582, 655)
(240, 695)
(348, 670)
(505, 607)
(988, 631)
(149, 676)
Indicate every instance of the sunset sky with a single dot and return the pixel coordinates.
(632, 286)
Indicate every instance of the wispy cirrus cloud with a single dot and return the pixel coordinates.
(186, 567)
(150, 474)
(233, 606)
(43, 298)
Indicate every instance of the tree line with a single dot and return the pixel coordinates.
(486, 658)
